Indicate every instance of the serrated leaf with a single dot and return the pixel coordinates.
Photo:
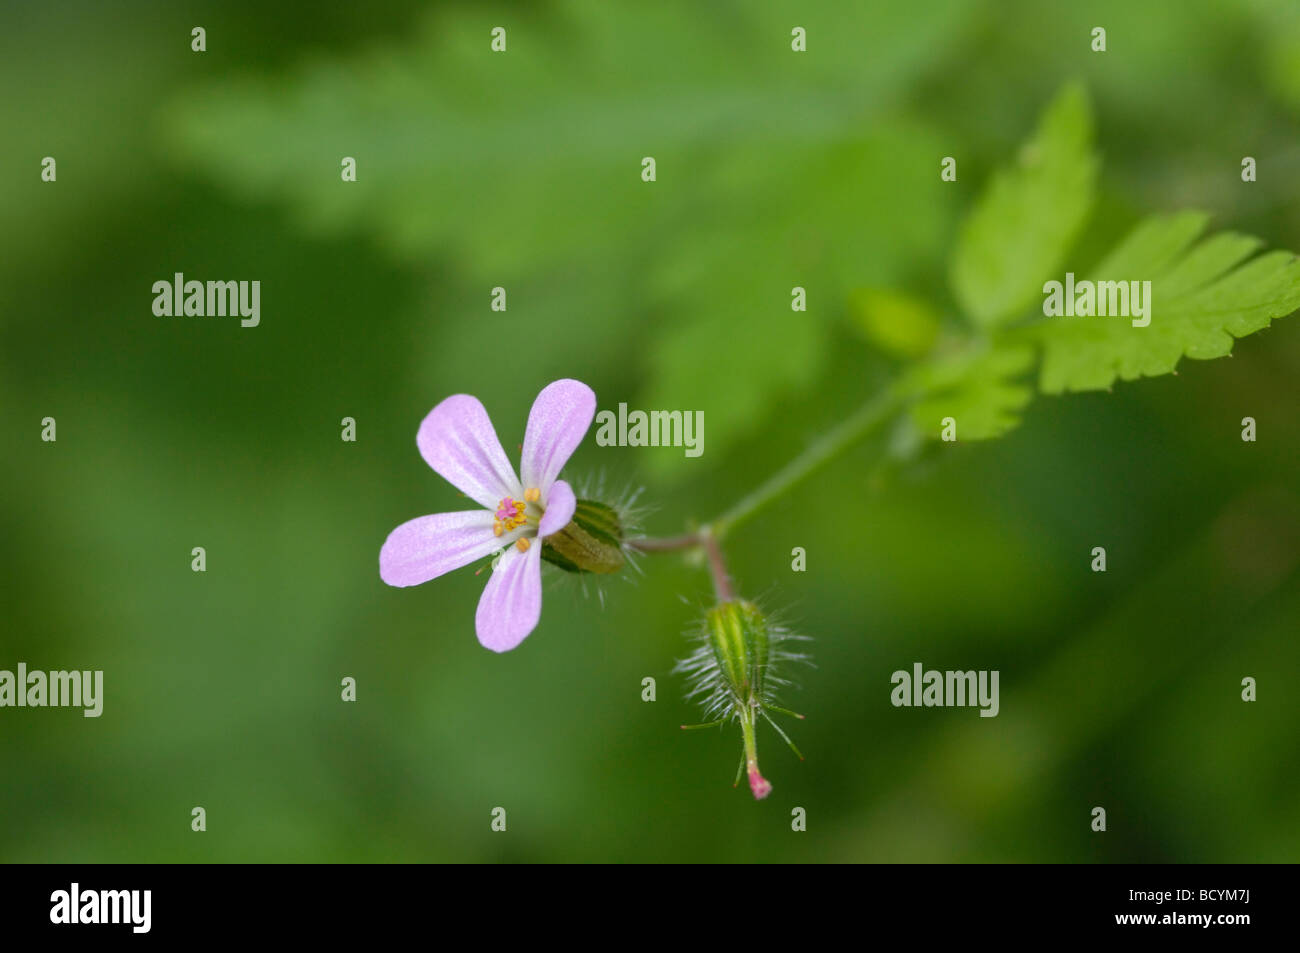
(982, 390)
(1028, 216)
(1203, 296)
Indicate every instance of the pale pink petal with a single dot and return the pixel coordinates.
(559, 509)
(458, 441)
(424, 548)
(557, 423)
(512, 602)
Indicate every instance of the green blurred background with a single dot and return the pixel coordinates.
(523, 170)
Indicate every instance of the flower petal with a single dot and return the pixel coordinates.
(512, 602)
(458, 441)
(557, 423)
(424, 548)
(559, 509)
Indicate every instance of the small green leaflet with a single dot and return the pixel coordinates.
(977, 388)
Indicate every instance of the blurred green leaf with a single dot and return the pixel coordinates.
(436, 123)
(978, 389)
(1028, 216)
(1203, 296)
(731, 345)
(726, 108)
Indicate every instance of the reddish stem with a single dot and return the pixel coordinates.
(721, 581)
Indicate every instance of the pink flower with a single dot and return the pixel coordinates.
(458, 441)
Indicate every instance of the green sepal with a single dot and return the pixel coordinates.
(738, 636)
(591, 542)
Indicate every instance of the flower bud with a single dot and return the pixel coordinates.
(731, 673)
(591, 542)
(738, 637)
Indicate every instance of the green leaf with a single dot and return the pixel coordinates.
(1028, 216)
(1204, 294)
(981, 389)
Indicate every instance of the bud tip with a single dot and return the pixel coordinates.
(760, 785)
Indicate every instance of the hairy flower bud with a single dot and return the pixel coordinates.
(591, 542)
(739, 640)
(731, 672)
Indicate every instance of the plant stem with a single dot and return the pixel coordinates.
(718, 568)
(826, 448)
(704, 538)
(757, 783)
(666, 545)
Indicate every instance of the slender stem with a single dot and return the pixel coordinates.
(757, 783)
(666, 545)
(827, 447)
(705, 538)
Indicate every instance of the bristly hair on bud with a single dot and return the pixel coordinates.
(734, 672)
(626, 504)
(597, 542)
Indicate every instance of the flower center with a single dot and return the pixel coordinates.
(512, 514)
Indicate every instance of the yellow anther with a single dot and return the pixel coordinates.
(532, 494)
(510, 516)
(522, 544)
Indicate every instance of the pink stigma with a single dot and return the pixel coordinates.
(759, 784)
(505, 509)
